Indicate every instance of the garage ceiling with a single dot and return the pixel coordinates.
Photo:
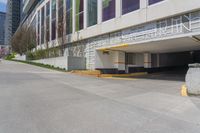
(164, 46)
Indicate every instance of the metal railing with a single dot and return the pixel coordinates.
(157, 33)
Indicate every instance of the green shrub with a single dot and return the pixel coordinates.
(10, 56)
(42, 54)
(30, 56)
(42, 65)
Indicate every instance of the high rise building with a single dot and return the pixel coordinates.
(120, 35)
(12, 19)
(2, 28)
(27, 7)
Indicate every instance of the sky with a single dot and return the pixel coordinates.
(3, 5)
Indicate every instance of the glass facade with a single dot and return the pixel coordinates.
(130, 5)
(92, 12)
(60, 18)
(68, 17)
(53, 20)
(79, 14)
(108, 10)
(154, 1)
(38, 28)
(42, 26)
(33, 32)
(47, 21)
(2, 28)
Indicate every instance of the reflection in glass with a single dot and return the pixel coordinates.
(79, 14)
(108, 9)
(92, 12)
(130, 5)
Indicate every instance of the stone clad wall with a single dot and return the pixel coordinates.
(67, 62)
(61, 62)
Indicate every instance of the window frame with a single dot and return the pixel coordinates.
(150, 4)
(102, 10)
(77, 15)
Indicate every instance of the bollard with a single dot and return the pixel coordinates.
(193, 79)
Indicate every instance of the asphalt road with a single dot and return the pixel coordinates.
(37, 100)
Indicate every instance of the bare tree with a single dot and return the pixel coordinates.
(61, 21)
(23, 40)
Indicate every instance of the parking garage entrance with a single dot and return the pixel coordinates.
(160, 62)
(172, 54)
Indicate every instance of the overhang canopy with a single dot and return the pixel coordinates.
(187, 43)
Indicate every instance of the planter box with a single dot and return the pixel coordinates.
(67, 62)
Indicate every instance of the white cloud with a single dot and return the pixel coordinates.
(3, 1)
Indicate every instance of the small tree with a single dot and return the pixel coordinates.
(61, 21)
(23, 40)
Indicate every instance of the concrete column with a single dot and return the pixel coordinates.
(50, 33)
(64, 20)
(36, 26)
(110, 60)
(147, 60)
(143, 8)
(45, 26)
(73, 16)
(40, 27)
(158, 60)
(143, 4)
(119, 60)
(85, 13)
(57, 21)
(118, 8)
(99, 11)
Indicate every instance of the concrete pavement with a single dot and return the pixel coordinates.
(37, 100)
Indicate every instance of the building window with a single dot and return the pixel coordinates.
(42, 26)
(69, 16)
(60, 18)
(32, 31)
(53, 30)
(92, 12)
(38, 28)
(47, 22)
(130, 5)
(108, 9)
(154, 1)
(53, 20)
(79, 14)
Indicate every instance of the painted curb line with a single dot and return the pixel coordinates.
(184, 91)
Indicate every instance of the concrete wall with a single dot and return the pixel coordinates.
(135, 59)
(155, 61)
(116, 60)
(139, 59)
(76, 63)
(67, 62)
(61, 62)
(110, 60)
(119, 60)
(20, 57)
(104, 60)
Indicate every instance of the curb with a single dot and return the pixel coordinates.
(184, 91)
(117, 78)
(123, 75)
